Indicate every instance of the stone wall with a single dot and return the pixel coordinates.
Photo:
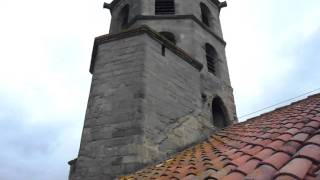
(172, 103)
(112, 129)
(191, 36)
(143, 106)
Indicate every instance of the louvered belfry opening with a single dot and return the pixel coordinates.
(212, 56)
(164, 7)
(205, 14)
(124, 16)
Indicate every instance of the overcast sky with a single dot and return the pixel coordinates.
(273, 53)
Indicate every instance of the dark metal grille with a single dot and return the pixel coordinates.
(164, 7)
(205, 14)
(212, 57)
(211, 64)
(124, 16)
(205, 19)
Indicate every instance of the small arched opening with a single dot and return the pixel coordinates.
(124, 16)
(212, 58)
(169, 36)
(219, 113)
(205, 14)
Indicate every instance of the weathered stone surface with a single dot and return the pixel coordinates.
(146, 102)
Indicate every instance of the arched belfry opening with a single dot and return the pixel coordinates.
(212, 58)
(124, 16)
(169, 36)
(206, 15)
(219, 113)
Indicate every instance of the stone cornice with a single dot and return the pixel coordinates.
(111, 5)
(162, 17)
(219, 4)
(151, 33)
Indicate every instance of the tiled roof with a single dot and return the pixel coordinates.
(283, 145)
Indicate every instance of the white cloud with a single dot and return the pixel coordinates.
(46, 49)
(262, 37)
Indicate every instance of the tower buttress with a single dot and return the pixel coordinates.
(160, 83)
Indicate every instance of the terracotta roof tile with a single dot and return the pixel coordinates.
(249, 166)
(276, 145)
(315, 139)
(277, 160)
(311, 152)
(316, 118)
(293, 131)
(283, 144)
(241, 160)
(297, 168)
(290, 147)
(308, 177)
(223, 172)
(308, 130)
(234, 176)
(314, 124)
(299, 125)
(286, 177)
(264, 154)
(263, 172)
(285, 137)
(301, 137)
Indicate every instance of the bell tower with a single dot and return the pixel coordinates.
(160, 83)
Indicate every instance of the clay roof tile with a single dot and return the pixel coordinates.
(301, 137)
(297, 168)
(315, 139)
(276, 144)
(265, 153)
(278, 160)
(234, 176)
(263, 172)
(310, 151)
(249, 166)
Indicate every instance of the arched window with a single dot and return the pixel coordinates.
(170, 36)
(163, 7)
(219, 116)
(212, 58)
(205, 14)
(124, 16)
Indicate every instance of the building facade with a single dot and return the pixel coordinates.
(160, 83)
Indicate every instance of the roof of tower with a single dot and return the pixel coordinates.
(114, 2)
(282, 144)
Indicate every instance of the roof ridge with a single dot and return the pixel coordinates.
(317, 95)
(314, 95)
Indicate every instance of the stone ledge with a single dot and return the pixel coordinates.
(73, 162)
(138, 31)
(166, 17)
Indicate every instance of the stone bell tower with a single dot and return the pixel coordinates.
(160, 83)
